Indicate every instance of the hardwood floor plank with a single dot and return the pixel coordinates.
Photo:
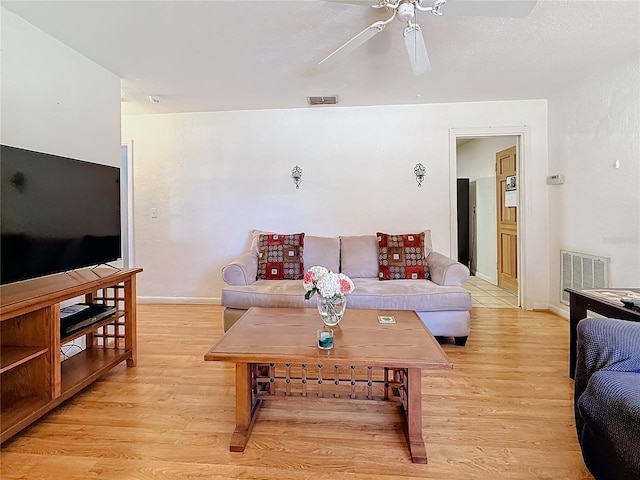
(504, 411)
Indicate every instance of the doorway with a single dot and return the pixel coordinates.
(473, 156)
(126, 200)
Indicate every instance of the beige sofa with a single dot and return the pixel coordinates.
(441, 302)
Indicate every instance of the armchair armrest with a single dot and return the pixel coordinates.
(241, 271)
(606, 344)
(446, 271)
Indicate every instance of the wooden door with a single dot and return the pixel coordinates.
(507, 194)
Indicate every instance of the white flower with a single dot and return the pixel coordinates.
(327, 284)
(312, 276)
(319, 271)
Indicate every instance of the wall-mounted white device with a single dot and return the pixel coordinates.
(555, 179)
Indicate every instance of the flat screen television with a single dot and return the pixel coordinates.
(56, 214)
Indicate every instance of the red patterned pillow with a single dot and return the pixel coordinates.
(401, 256)
(280, 256)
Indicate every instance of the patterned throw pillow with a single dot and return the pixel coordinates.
(280, 256)
(401, 256)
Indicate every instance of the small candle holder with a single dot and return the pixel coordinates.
(325, 338)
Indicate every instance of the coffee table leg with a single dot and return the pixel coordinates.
(413, 412)
(246, 409)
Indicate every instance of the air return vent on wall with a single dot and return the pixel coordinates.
(582, 271)
(332, 100)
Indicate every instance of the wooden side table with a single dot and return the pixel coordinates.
(604, 301)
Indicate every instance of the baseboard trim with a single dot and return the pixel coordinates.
(486, 278)
(561, 312)
(540, 307)
(193, 300)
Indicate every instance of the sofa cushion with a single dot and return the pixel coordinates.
(402, 256)
(280, 256)
(428, 244)
(359, 256)
(265, 293)
(418, 295)
(323, 251)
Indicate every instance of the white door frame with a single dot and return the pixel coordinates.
(127, 206)
(523, 151)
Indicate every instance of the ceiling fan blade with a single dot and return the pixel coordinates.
(355, 42)
(416, 49)
(489, 8)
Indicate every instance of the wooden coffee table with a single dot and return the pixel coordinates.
(276, 355)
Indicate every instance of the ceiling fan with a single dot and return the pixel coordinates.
(406, 10)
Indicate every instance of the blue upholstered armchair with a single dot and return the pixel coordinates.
(607, 397)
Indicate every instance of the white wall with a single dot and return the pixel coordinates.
(597, 210)
(215, 176)
(476, 160)
(486, 230)
(54, 100)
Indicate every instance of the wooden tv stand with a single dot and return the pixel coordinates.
(34, 378)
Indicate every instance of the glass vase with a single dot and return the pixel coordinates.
(332, 309)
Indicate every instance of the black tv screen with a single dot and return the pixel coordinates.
(56, 214)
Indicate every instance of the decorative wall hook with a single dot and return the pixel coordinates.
(296, 174)
(420, 171)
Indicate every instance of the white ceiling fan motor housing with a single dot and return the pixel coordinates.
(406, 12)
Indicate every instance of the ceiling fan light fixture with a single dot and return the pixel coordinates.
(406, 12)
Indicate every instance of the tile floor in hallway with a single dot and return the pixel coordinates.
(485, 294)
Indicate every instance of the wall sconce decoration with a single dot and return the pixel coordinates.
(296, 174)
(419, 171)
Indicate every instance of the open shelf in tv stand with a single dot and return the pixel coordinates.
(34, 378)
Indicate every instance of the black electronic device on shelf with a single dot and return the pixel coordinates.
(81, 315)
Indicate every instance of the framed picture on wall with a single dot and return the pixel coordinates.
(511, 183)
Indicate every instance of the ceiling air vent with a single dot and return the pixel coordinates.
(332, 100)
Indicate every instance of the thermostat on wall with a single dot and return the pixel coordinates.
(555, 179)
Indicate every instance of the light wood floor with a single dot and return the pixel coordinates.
(504, 411)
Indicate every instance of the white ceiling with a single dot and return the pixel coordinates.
(238, 55)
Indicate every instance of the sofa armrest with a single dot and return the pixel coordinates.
(446, 271)
(241, 271)
(606, 344)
